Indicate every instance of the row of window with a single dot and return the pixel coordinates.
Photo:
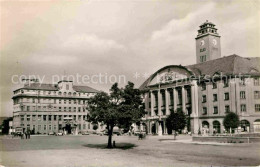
(215, 110)
(51, 117)
(54, 101)
(226, 83)
(54, 127)
(53, 108)
(227, 109)
(204, 98)
(53, 92)
(226, 96)
(215, 97)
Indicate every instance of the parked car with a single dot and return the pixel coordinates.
(51, 133)
(102, 132)
(137, 132)
(85, 133)
(59, 134)
(118, 133)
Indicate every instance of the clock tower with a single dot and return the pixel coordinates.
(207, 43)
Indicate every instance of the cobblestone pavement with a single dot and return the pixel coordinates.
(154, 151)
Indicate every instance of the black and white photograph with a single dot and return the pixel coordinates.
(129, 83)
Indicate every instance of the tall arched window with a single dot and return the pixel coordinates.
(245, 126)
(216, 126)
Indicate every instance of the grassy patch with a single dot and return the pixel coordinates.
(122, 146)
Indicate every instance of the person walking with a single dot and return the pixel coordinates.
(22, 135)
(28, 133)
(25, 132)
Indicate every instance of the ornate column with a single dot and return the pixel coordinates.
(159, 113)
(152, 103)
(195, 106)
(183, 96)
(167, 102)
(159, 95)
(174, 99)
(160, 126)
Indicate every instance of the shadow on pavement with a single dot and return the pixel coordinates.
(122, 146)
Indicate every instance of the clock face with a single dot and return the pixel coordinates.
(202, 42)
(214, 42)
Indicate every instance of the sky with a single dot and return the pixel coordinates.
(119, 40)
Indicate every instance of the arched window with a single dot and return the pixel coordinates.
(205, 127)
(205, 124)
(216, 126)
(257, 125)
(245, 126)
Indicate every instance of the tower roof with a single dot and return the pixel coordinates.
(207, 22)
(207, 28)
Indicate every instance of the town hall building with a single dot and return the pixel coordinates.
(205, 91)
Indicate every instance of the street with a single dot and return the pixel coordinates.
(83, 151)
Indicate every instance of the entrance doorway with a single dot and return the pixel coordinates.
(245, 126)
(216, 127)
(68, 128)
(153, 128)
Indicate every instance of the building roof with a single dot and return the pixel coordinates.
(227, 65)
(54, 87)
(41, 86)
(85, 89)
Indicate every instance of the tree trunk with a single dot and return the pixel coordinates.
(110, 133)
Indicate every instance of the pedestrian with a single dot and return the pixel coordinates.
(21, 135)
(25, 132)
(214, 131)
(28, 133)
(140, 135)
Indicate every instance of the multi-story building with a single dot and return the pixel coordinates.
(45, 108)
(205, 91)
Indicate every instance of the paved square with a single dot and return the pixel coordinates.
(84, 151)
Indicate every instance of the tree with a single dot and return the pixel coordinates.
(176, 121)
(122, 107)
(231, 121)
